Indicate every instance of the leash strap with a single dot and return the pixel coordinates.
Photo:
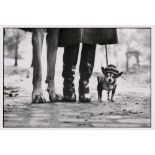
(106, 50)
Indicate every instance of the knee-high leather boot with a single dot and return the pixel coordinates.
(86, 68)
(69, 65)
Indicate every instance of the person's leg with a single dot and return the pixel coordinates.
(69, 65)
(86, 68)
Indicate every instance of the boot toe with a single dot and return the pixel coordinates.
(68, 98)
(85, 98)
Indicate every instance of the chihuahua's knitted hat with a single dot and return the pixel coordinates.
(111, 69)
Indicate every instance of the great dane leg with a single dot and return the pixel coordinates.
(52, 45)
(37, 41)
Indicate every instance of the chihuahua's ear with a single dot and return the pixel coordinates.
(119, 74)
(103, 70)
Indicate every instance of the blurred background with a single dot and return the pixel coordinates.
(132, 53)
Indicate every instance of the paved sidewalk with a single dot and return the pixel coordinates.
(75, 115)
(131, 109)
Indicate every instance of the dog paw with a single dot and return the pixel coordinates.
(38, 98)
(55, 97)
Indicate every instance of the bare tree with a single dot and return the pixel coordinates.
(12, 40)
(16, 48)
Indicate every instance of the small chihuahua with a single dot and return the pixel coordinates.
(108, 81)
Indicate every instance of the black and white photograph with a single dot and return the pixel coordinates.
(77, 77)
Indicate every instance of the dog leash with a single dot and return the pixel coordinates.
(106, 50)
